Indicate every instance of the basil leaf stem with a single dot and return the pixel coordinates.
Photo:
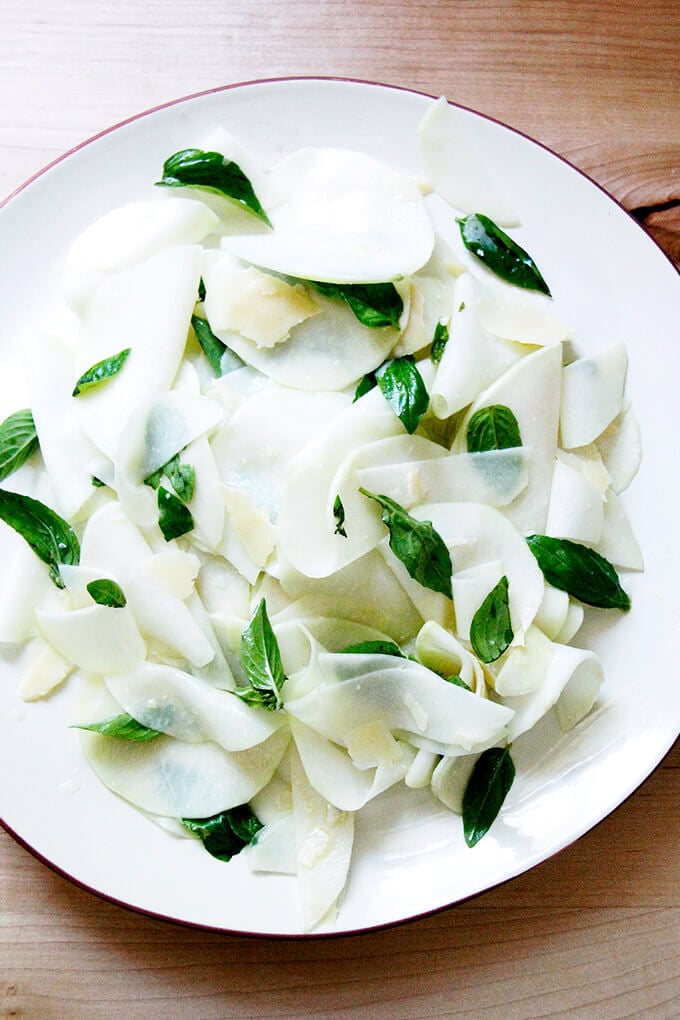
(101, 372)
(106, 592)
(375, 305)
(580, 571)
(404, 390)
(50, 537)
(500, 253)
(124, 727)
(486, 790)
(416, 543)
(211, 171)
(227, 833)
(18, 441)
(261, 660)
(493, 428)
(491, 629)
(174, 517)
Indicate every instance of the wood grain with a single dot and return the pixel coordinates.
(593, 932)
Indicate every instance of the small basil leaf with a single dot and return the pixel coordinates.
(491, 630)
(50, 537)
(375, 305)
(227, 833)
(439, 342)
(366, 384)
(201, 289)
(458, 681)
(124, 727)
(486, 790)
(374, 648)
(174, 518)
(101, 372)
(493, 428)
(416, 543)
(261, 661)
(194, 168)
(182, 477)
(500, 253)
(212, 346)
(404, 390)
(580, 571)
(18, 441)
(106, 592)
(98, 483)
(339, 515)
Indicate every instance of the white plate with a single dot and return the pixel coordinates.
(612, 284)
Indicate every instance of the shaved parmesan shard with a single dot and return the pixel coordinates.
(42, 669)
(592, 395)
(169, 777)
(174, 702)
(334, 773)
(341, 217)
(324, 837)
(130, 234)
(98, 639)
(262, 307)
(146, 307)
(455, 167)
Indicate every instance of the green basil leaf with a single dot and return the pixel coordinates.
(227, 833)
(98, 483)
(339, 515)
(213, 348)
(174, 518)
(18, 441)
(500, 253)
(439, 342)
(491, 630)
(375, 305)
(201, 289)
(261, 660)
(124, 727)
(374, 648)
(365, 385)
(49, 535)
(182, 477)
(106, 592)
(403, 388)
(493, 428)
(458, 681)
(580, 571)
(101, 372)
(416, 543)
(194, 168)
(486, 790)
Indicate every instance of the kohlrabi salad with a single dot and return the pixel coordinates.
(308, 493)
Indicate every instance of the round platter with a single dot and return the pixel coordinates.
(611, 283)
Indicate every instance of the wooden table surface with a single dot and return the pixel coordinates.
(593, 932)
